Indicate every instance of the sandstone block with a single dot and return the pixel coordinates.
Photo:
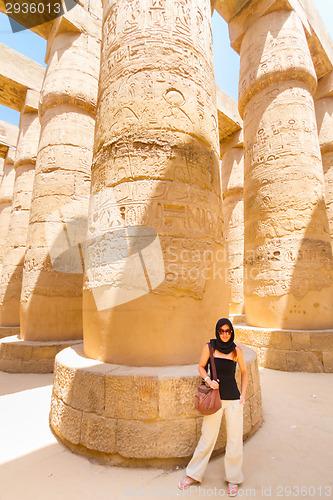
(304, 361)
(255, 376)
(156, 439)
(13, 350)
(322, 341)
(328, 361)
(63, 381)
(66, 420)
(176, 397)
(44, 352)
(88, 391)
(301, 340)
(10, 365)
(247, 420)
(98, 433)
(119, 397)
(280, 339)
(256, 408)
(273, 358)
(37, 366)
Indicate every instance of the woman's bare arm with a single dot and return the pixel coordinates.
(202, 363)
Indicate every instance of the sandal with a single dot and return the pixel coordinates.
(185, 482)
(232, 489)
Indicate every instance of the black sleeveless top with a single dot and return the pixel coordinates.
(225, 370)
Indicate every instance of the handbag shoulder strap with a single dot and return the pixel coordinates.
(212, 362)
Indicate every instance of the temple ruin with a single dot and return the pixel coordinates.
(139, 203)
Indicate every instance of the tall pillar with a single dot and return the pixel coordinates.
(6, 196)
(51, 300)
(25, 160)
(2, 164)
(233, 214)
(154, 280)
(288, 267)
(324, 114)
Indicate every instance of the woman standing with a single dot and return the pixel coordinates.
(226, 355)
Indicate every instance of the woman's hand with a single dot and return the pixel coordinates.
(214, 384)
(242, 400)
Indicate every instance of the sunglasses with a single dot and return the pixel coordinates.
(224, 331)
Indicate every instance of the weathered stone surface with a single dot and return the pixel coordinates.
(66, 420)
(256, 408)
(15, 83)
(19, 356)
(289, 350)
(6, 196)
(99, 433)
(176, 397)
(155, 168)
(228, 116)
(25, 159)
(247, 421)
(135, 422)
(324, 116)
(167, 439)
(88, 391)
(288, 258)
(8, 138)
(233, 212)
(304, 361)
(52, 276)
(328, 361)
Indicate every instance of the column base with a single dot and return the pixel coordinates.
(237, 318)
(136, 416)
(289, 350)
(7, 331)
(23, 356)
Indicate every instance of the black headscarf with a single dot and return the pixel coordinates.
(224, 347)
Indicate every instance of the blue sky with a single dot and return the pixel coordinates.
(226, 59)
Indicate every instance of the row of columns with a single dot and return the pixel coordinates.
(275, 262)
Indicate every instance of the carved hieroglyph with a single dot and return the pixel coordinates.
(6, 196)
(288, 257)
(154, 281)
(233, 214)
(25, 160)
(324, 114)
(51, 300)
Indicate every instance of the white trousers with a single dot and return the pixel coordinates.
(233, 458)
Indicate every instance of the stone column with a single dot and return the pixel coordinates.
(233, 214)
(324, 114)
(2, 164)
(154, 282)
(52, 279)
(288, 267)
(25, 160)
(6, 196)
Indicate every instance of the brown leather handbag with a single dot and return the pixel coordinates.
(207, 400)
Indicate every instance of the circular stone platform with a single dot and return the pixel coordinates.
(8, 331)
(289, 350)
(124, 415)
(23, 356)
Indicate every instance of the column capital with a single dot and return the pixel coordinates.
(325, 86)
(242, 14)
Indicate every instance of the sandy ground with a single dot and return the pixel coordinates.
(290, 456)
